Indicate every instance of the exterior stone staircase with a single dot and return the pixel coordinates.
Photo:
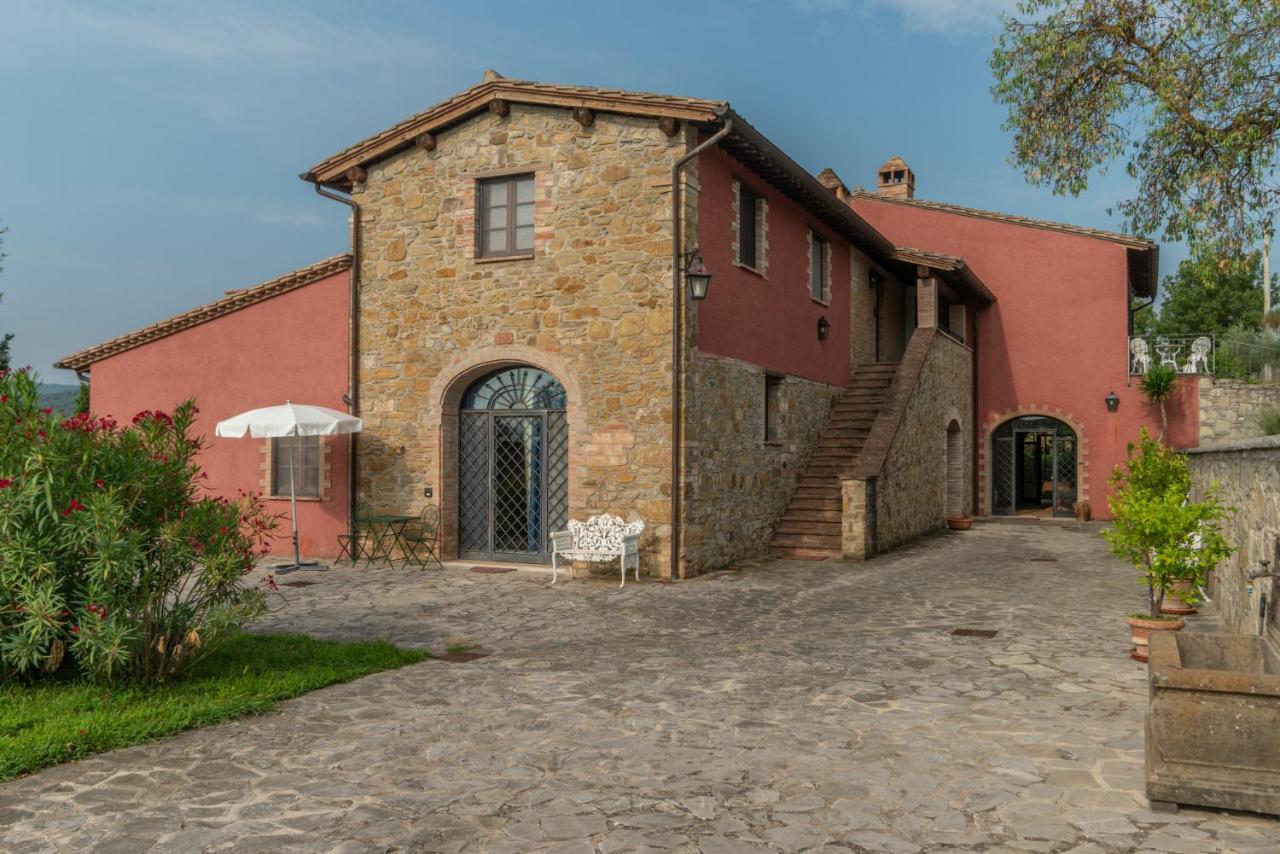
(810, 529)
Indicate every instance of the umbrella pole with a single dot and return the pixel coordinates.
(293, 510)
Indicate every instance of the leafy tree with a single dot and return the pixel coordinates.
(82, 399)
(1210, 294)
(1186, 91)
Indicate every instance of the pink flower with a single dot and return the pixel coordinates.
(48, 410)
(5, 482)
(100, 483)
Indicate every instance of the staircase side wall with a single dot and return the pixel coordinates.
(911, 488)
(737, 485)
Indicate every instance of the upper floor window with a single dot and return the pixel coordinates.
(819, 267)
(505, 216)
(305, 462)
(751, 222)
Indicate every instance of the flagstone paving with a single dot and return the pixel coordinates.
(785, 707)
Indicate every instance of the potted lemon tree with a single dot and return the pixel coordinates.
(1171, 540)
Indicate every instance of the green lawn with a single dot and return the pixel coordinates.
(50, 723)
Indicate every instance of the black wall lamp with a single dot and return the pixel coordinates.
(695, 273)
(1113, 402)
(823, 328)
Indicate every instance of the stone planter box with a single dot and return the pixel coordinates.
(1213, 726)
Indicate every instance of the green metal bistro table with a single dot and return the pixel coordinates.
(387, 532)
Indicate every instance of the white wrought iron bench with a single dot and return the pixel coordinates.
(600, 538)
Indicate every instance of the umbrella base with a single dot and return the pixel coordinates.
(311, 565)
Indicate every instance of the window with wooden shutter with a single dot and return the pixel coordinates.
(505, 210)
(748, 226)
(304, 452)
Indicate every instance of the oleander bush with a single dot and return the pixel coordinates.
(114, 562)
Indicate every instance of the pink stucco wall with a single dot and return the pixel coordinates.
(289, 347)
(1055, 341)
(769, 321)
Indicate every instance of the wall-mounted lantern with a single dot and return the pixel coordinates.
(1113, 402)
(695, 273)
(823, 328)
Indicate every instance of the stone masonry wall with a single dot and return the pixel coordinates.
(737, 484)
(1229, 409)
(1247, 474)
(910, 493)
(591, 306)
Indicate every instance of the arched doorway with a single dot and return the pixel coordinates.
(1033, 467)
(513, 465)
(955, 471)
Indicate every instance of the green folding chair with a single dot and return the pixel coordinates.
(422, 539)
(357, 543)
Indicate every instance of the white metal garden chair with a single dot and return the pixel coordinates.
(1141, 356)
(1199, 356)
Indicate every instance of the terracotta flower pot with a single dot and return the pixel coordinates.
(1175, 601)
(959, 523)
(1140, 629)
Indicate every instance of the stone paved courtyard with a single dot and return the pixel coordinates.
(785, 707)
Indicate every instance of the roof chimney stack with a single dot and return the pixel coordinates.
(896, 180)
(829, 179)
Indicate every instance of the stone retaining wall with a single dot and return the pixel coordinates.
(737, 485)
(1229, 409)
(1248, 475)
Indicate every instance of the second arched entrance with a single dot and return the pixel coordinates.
(1033, 467)
(513, 465)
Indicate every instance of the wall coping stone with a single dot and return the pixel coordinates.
(1261, 443)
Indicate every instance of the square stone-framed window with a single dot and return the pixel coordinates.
(312, 469)
(505, 216)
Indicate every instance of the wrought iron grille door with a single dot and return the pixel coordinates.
(513, 485)
(1033, 467)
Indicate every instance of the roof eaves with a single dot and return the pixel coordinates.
(234, 301)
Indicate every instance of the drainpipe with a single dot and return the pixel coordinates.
(677, 257)
(352, 397)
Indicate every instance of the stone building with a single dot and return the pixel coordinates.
(527, 342)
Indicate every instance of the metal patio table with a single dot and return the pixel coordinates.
(387, 532)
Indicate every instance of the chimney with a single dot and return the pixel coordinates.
(896, 180)
(490, 75)
(829, 179)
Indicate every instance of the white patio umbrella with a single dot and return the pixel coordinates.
(290, 420)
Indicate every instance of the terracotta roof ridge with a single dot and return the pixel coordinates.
(454, 107)
(233, 301)
(1013, 219)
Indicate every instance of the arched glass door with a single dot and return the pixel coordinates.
(513, 465)
(1033, 467)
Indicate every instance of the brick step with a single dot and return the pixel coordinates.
(815, 504)
(825, 515)
(808, 541)
(808, 526)
(833, 450)
(789, 553)
(826, 467)
(826, 492)
(854, 431)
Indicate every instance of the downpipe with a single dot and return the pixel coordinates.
(677, 334)
(352, 397)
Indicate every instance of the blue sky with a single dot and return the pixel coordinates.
(152, 150)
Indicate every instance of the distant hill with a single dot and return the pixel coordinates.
(60, 397)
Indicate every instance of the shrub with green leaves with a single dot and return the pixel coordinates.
(113, 560)
(1269, 421)
(1165, 535)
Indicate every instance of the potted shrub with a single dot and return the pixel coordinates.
(1167, 537)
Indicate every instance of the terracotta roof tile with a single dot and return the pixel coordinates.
(234, 301)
